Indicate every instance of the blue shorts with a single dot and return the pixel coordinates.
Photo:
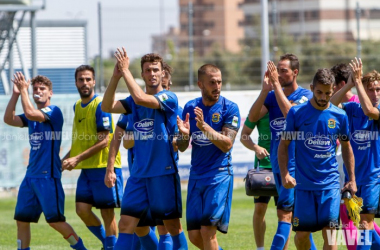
(161, 194)
(92, 190)
(37, 195)
(285, 196)
(370, 195)
(209, 202)
(314, 210)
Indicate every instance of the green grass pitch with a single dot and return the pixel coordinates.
(239, 237)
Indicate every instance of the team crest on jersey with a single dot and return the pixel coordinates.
(296, 222)
(215, 117)
(331, 123)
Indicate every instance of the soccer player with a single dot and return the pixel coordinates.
(342, 72)
(41, 190)
(92, 133)
(262, 157)
(213, 122)
(125, 125)
(315, 126)
(363, 121)
(286, 93)
(154, 182)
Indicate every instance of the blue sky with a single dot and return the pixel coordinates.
(129, 23)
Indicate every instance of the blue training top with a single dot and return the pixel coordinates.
(277, 123)
(365, 144)
(315, 142)
(207, 159)
(45, 142)
(153, 131)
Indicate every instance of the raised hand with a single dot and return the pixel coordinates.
(267, 86)
(116, 72)
(20, 82)
(199, 118)
(15, 89)
(357, 69)
(272, 73)
(183, 126)
(122, 59)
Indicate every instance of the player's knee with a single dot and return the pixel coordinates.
(302, 237)
(108, 215)
(195, 237)
(162, 230)
(54, 225)
(208, 232)
(82, 212)
(22, 225)
(284, 215)
(260, 210)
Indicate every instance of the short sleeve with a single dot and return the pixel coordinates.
(123, 121)
(250, 124)
(268, 100)
(127, 104)
(103, 120)
(232, 120)
(290, 127)
(168, 101)
(347, 106)
(344, 134)
(130, 123)
(53, 115)
(24, 120)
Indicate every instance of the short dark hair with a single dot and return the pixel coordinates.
(43, 80)
(293, 59)
(83, 68)
(371, 77)
(341, 72)
(207, 68)
(167, 68)
(323, 76)
(152, 57)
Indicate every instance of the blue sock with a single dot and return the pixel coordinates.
(282, 235)
(124, 242)
(219, 248)
(28, 248)
(79, 245)
(312, 247)
(179, 242)
(136, 245)
(365, 241)
(99, 232)
(110, 242)
(375, 240)
(165, 242)
(149, 241)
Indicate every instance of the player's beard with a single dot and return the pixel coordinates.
(83, 95)
(322, 105)
(210, 97)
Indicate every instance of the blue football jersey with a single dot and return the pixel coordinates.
(207, 159)
(277, 123)
(365, 144)
(153, 131)
(315, 133)
(45, 142)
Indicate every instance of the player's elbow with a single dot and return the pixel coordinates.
(227, 147)
(105, 108)
(7, 119)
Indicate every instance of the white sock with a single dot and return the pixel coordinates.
(260, 248)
